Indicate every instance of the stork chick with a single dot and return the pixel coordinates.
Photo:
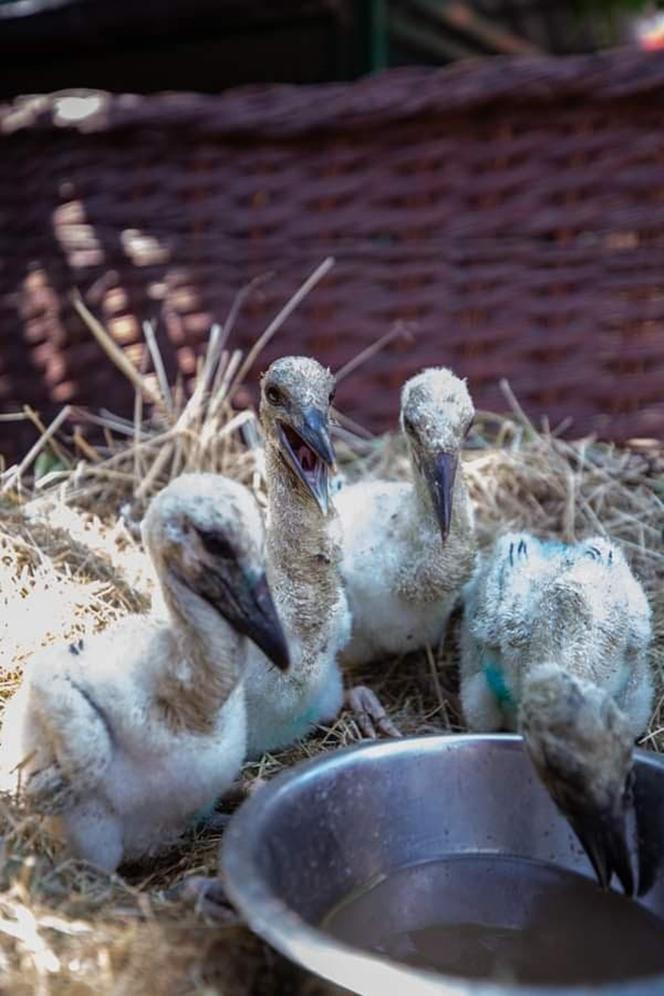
(410, 546)
(555, 645)
(124, 737)
(303, 556)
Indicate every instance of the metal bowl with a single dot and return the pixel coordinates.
(328, 826)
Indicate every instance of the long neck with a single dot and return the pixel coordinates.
(203, 671)
(302, 554)
(431, 569)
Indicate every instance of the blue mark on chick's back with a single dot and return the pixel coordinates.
(553, 548)
(495, 679)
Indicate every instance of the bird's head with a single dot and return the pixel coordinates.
(205, 532)
(581, 746)
(296, 394)
(436, 414)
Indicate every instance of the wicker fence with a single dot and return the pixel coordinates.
(510, 210)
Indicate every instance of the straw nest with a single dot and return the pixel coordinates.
(71, 563)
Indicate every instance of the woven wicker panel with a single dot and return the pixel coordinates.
(512, 211)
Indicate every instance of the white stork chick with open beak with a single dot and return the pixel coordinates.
(125, 737)
(555, 645)
(410, 546)
(303, 558)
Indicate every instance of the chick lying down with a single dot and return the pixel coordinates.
(123, 738)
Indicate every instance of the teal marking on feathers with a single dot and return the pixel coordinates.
(552, 547)
(306, 720)
(495, 679)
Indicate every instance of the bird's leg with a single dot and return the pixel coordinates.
(368, 713)
(207, 895)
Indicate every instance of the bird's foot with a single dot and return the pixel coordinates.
(369, 714)
(206, 895)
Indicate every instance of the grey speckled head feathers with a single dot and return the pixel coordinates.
(436, 409)
(581, 745)
(300, 380)
(198, 504)
(204, 532)
(436, 414)
(296, 393)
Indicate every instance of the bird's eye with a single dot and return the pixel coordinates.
(409, 426)
(273, 395)
(333, 394)
(216, 544)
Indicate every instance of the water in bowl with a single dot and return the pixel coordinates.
(503, 919)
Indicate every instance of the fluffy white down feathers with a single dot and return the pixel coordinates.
(303, 555)
(408, 547)
(121, 739)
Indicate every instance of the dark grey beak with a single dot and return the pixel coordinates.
(247, 605)
(263, 625)
(440, 473)
(314, 429)
(649, 810)
(308, 450)
(603, 837)
(600, 827)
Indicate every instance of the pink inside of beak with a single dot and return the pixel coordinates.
(306, 457)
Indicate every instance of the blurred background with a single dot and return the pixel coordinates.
(487, 174)
(209, 45)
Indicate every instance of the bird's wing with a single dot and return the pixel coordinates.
(504, 591)
(67, 734)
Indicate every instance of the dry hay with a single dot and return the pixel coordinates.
(65, 570)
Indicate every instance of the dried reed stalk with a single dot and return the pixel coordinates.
(65, 928)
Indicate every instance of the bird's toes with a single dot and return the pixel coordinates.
(369, 713)
(388, 728)
(365, 723)
(357, 704)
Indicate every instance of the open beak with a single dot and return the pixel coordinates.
(603, 837)
(440, 473)
(308, 451)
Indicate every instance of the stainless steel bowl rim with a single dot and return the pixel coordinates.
(269, 917)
